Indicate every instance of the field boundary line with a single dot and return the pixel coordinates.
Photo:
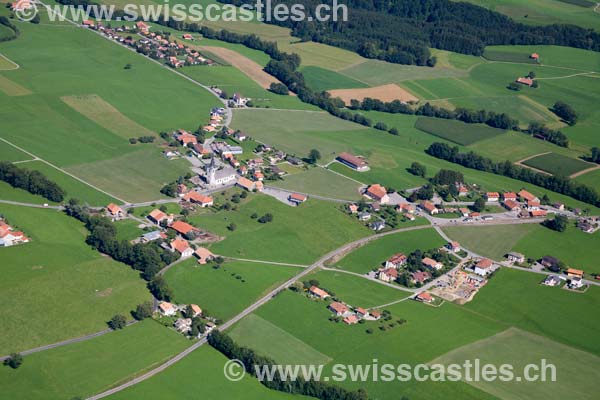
(585, 171)
(567, 76)
(17, 66)
(283, 264)
(62, 170)
(326, 167)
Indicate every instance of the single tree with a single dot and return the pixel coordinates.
(143, 311)
(314, 156)
(117, 322)
(479, 205)
(14, 360)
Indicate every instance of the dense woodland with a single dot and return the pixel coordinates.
(33, 181)
(556, 184)
(401, 31)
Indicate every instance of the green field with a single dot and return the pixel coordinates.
(591, 178)
(321, 79)
(56, 285)
(200, 372)
(372, 255)
(127, 229)
(516, 298)
(575, 369)
(356, 291)
(558, 56)
(507, 55)
(83, 369)
(545, 12)
(457, 131)
(576, 248)
(73, 187)
(557, 164)
(320, 182)
(290, 237)
(419, 340)
(9, 153)
(220, 291)
(283, 347)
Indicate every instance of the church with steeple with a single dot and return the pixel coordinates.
(218, 175)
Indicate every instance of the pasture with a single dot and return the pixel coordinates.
(517, 299)
(291, 236)
(74, 188)
(508, 55)
(107, 116)
(591, 178)
(268, 338)
(557, 164)
(202, 372)
(321, 79)
(575, 369)
(556, 56)
(546, 12)
(127, 229)
(10, 88)
(385, 93)
(374, 254)
(320, 182)
(83, 369)
(5, 63)
(52, 283)
(10, 153)
(456, 131)
(209, 287)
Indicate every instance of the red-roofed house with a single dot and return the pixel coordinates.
(158, 216)
(525, 81)
(512, 205)
(114, 211)
(453, 246)
(338, 308)
(183, 247)
(432, 264)
(483, 267)
(204, 255)
(317, 292)
(142, 26)
(509, 196)
(429, 207)
(361, 312)
(377, 193)
(424, 297)
(351, 320)
(185, 138)
(196, 310)
(396, 261)
(524, 195)
(492, 196)
(297, 198)
(353, 208)
(249, 185)
(464, 211)
(535, 56)
(167, 309)
(182, 228)
(420, 276)
(538, 213)
(387, 274)
(405, 208)
(197, 198)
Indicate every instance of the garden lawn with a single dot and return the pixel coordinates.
(212, 288)
(557, 164)
(375, 253)
(296, 234)
(518, 299)
(127, 229)
(56, 285)
(83, 369)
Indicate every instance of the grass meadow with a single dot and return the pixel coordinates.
(457, 131)
(296, 234)
(211, 288)
(56, 285)
(321, 79)
(321, 182)
(557, 164)
(373, 254)
(83, 369)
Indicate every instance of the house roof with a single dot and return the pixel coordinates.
(361, 310)
(245, 183)
(421, 276)
(114, 209)
(427, 205)
(484, 263)
(180, 245)
(511, 204)
(525, 81)
(391, 272)
(492, 194)
(526, 195)
(351, 319)
(574, 271)
(338, 307)
(165, 306)
(203, 253)
(352, 159)
(397, 258)
(318, 292)
(157, 215)
(182, 227)
(424, 296)
(298, 197)
(454, 244)
(196, 309)
(430, 262)
(538, 213)
(197, 197)
(376, 191)
(509, 195)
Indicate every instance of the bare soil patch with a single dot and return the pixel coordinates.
(384, 93)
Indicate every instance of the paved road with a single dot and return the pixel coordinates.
(66, 342)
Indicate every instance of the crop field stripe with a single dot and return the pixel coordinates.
(5, 61)
(11, 88)
(456, 131)
(557, 164)
(107, 116)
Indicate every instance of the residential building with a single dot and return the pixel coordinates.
(197, 198)
(183, 325)
(464, 211)
(432, 264)
(183, 228)
(204, 255)
(158, 217)
(338, 308)
(424, 297)
(317, 292)
(429, 207)
(515, 257)
(387, 274)
(524, 195)
(361, 312)
(509, 196)
(550, 262)
(115, 212)
(364, 216)
(420, 277)
(351, 319)
(377, 193)
(152, 236)
(492, 196)
(572, 272)
(396, 261)
(483, 267)
(453, 246)
(182, 247)
(377, 225)
(249, 185)
(297, 198)
(167, 309)
(353, 208)
(196, 310)
(511, 205)
(551, 280)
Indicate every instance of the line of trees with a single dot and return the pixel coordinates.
(402, 31)
(148, 258)
(6, 22)
(33, 181)
(556, 184)
(321, 390)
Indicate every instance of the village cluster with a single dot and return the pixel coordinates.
(348, 314)
(189, 319)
